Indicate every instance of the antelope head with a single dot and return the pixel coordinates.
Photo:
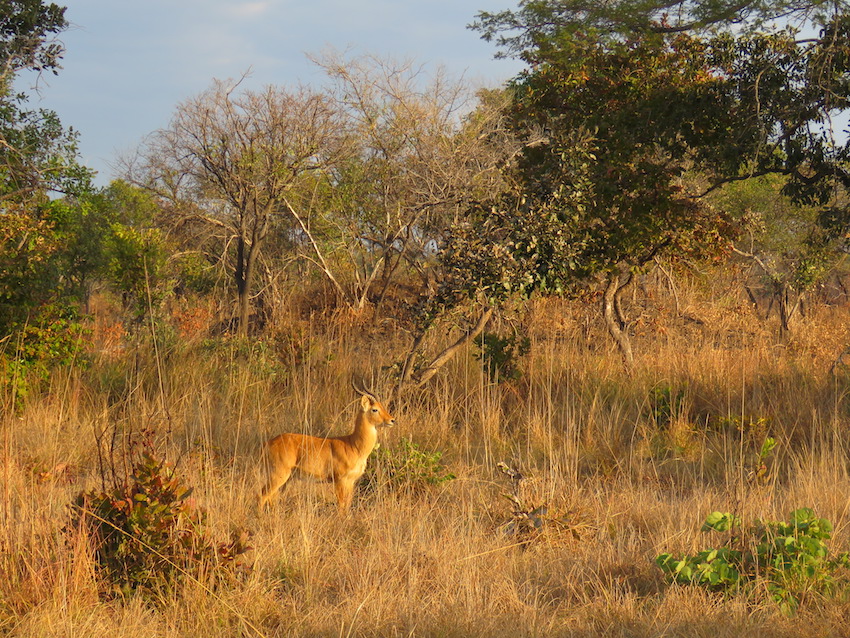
(373, 409)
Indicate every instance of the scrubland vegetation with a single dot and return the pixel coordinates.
(627, 466)
(606, 303)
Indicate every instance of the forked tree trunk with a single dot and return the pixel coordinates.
(421, 377)
(614, 319)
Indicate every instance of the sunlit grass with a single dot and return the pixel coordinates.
(624, 475)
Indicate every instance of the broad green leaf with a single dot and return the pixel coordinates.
(720, 522)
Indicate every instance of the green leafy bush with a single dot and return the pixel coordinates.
(789, 559)
(137, 265)
(666, 404)
(405, 467)
(147, 533)
(195, 273)
(52, 337)
(501, 354)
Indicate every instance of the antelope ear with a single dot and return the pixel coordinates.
(365, 403)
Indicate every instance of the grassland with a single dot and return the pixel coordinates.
(628, 464)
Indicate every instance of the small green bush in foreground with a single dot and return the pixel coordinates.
(789, 561)
(405, 467)
(146, 533)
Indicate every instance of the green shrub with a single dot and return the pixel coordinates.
(501, 354)
(666, 404)
(195, 273)
(790, 560)
(53, 337)
(137, 266)
(405, 467)
(147, 533)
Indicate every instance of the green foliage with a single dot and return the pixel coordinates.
(134, 254)
(628, 123)
(137, 259)
(541, 23)
(147, 533)
(53, 250)
(802, 82)
(517, 246)
(37, 154)
(597, 194)
(666, 404)
(26, 31)
(195, 273)
(52, 337)
(720, 522)
(794, 244)
(788, 560)
(758, 471)
(29, 262)
(50, 253)
(96, 224)
(405, 468)
(501, 354)
(38, 230)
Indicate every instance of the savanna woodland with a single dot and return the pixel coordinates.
(607, 304)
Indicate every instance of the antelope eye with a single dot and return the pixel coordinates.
(374, 409)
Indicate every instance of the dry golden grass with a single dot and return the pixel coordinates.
(621, 485)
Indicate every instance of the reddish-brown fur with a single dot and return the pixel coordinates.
(339, 460)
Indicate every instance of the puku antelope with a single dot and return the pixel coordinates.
(339, 460)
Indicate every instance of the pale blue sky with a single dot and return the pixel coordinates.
(129, 63)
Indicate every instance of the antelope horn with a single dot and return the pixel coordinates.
(362, 390)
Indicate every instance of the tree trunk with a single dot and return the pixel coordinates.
(423, 376)
(246, 255)
(784, 314)
(240, 275)
(618, 300)
(788, 307)
(616, 324)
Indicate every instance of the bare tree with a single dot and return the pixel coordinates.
(423, 148)
(237, 159)
(362, 176)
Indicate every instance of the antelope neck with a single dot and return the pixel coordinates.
(364, 435)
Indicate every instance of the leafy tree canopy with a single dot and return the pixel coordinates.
(629, 114)
(37, 154)
(536, 24)
(40, 235)
(27, 30)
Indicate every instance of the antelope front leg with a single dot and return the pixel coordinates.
(344, 489)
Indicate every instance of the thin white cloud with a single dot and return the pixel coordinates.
(246, 10)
